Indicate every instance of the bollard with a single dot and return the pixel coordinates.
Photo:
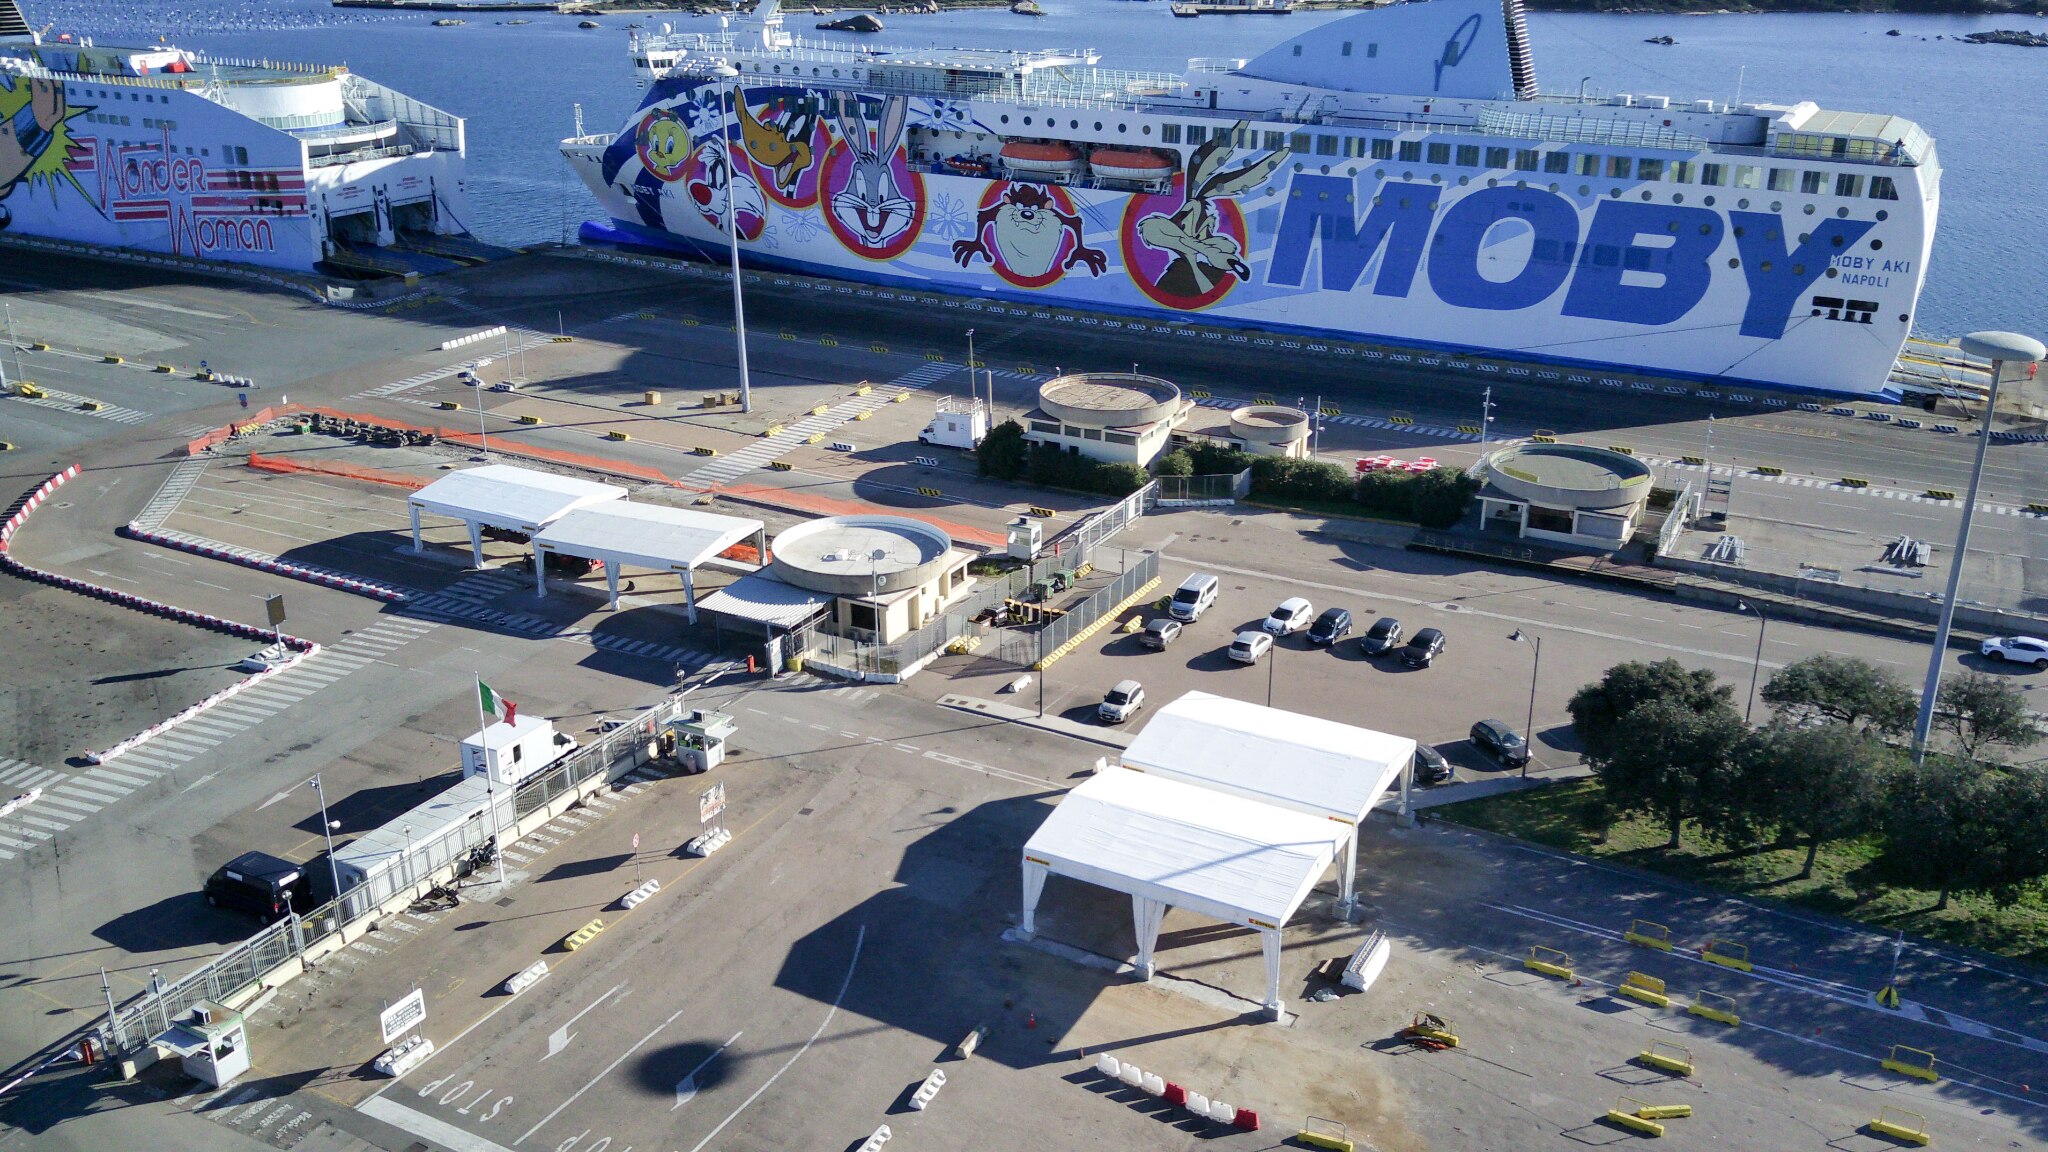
(927, 1091)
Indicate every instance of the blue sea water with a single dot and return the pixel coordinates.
(517, 85)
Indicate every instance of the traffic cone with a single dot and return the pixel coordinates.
(1031, 1020)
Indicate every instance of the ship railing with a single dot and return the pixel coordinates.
(1538, 126)
(362, 155)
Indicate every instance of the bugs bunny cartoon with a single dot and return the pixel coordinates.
(1201, 254)
(871, 205)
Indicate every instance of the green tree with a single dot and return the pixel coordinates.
(1118, 479)
(1826, 782)
(2018, 855)
(1937, 827)
(1598, 708)
(1669, 759)
(1438, 498)
(1175, 463)
(1212, 459)
(1001, 453)
(1845, 689)
(1979, 710)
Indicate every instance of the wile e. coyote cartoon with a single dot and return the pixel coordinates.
(1202, 255)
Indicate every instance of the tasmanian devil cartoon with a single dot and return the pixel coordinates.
(1201, 254)
(781, 142)
(1028, 229)
(870, 204)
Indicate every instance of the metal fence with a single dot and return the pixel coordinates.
(1679, 518)
(1218, 488)
(240, 967)
(1058, 631)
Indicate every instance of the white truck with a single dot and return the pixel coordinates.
(956, 424)
(513, 752)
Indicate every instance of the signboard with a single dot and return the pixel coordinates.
(274, 605)
(403, 1016)
(711, 803)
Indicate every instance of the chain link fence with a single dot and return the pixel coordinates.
(242, 967)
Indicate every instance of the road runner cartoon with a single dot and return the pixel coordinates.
(1028, 230)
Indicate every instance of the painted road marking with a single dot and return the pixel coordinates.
(427, 1127)
(686, 1088)
(560, 1037)
(622, 1058)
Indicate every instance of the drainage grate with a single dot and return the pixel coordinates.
(503, 901)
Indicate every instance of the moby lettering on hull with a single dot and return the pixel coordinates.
(1429, 212)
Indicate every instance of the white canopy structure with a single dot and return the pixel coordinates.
(504, 496)
(1169, 843)
(646, 536)
(1302, 763)
(762, 599)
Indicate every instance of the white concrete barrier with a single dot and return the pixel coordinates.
(472, 338)
(526, 978)
(1222, 1113)
(971, 1043)
(1154, 1084)
(927, 1091)
(1132, 1075)
(1108, 1065)
(875, 1141)
(639, 895)
(1198, 1104)
(404, 1057)
(708, 843)
(22, 801)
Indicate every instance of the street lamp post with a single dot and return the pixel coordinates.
(1756, 666)
(2000, 348)
(1272, 669)
(327, 830)
(973, 390)
(732, 232)
(1529, 726)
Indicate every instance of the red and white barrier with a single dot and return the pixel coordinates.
(1153, 1084)
(268, 564)
(301, 648)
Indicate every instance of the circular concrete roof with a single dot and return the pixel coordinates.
(1569, 475)
(844, 554)
(1109, 399)
(1269, 424)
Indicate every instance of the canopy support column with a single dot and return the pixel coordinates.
(540, 572)
(1347, 898)
(1269, 943)
(1034, 886)
(1146, 916)
(416, 545)
(611, 582)
(476, 544)
(690, 593)
(1407, 816)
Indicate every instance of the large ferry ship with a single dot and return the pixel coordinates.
(1394, 176)
(160, 149)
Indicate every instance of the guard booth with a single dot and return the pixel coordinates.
(211, 1043)
(699, 739)
(1026, 537)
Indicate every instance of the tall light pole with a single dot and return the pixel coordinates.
(1529, 726)
(732, 233)
(1272, 669)
(1486, 417)
(2000, 348)
(12, 342)
(1756, 666)
(973, 390)
(327, 830)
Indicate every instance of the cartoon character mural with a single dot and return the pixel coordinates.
(783, 141)
(35, 137)
(877, 204)
(1191, 255)
(663, 143)
(1030, 235)
(711, 184)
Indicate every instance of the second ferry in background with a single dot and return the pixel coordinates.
(1394, 176)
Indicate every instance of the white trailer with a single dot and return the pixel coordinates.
(513, 752)
(956, 424)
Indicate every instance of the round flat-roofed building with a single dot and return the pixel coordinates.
(1116, 417)
(1567, 493)
(887, 575)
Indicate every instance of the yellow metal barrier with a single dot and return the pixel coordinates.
(1915, 1062)
(815, 438)
(1769, 470)
(583, 935)
(828, 341)
(615, 434)
(864, 389)
(864, 415)
(1549, 962)
(1042, 513)
(1714, 1006)
(1900, 1124)
(1431, 1029)
(110, 358)
(91, 405)
(700, 450)
(772, 430)
(529, 419)
(1646, 989)
(933, 492)
(1667, 1057)
(780, 466)
(1624, 1114)
(1469, 429)
(1940, 494)
(1728, 954)
(446, 405)
(166, 369)
(1664, 1111)
(1322, 1133)
(899, 398)
(1624, 449)
(1649, 934)
(1695, 461)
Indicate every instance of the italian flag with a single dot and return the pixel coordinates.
(496, 705)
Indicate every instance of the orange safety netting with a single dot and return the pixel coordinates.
(347, 471)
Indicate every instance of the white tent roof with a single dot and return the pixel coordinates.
(766, 600)
(1303, 763)
(519, 499)
(1190, 847)
(645, 535)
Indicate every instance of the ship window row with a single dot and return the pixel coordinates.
(110, 119)
(1847, 185)
(81, 92)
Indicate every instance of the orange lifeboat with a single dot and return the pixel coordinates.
(1042, 159)
(1130, 164)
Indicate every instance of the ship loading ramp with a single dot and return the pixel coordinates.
(507, 498)
(665, 539)
(1171, 844)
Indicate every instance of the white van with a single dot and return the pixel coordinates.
(1193, 597)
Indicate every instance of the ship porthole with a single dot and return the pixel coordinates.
(1464, 180)
(1842, 212)
(1734, 263)
(1883, 215)
(1809, 209)
(1678, 197)
(1646, 194)
(1492, 183)
(1877, 245)
(1709, 201)
(1742, 203)
(1585, 191)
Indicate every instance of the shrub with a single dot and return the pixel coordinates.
(1434, 499)
(1284, 478)
(1001, 453)
(1175, 463)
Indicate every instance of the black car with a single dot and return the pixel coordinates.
(1382, 637)
(1333, 625)
(1430, 766)
(257, 883)
(1423, 648)
(1501, 742)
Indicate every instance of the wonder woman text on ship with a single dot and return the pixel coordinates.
(1394, 176)
(164, 150)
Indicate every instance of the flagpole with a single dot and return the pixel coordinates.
(490, 785)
